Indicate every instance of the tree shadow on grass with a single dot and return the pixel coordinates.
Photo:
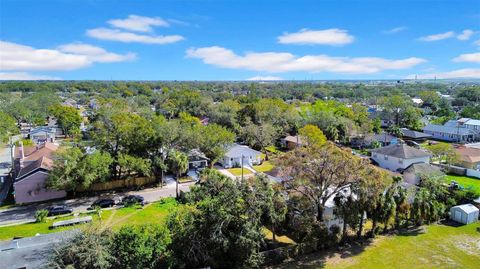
(451, 223)
(319, 259)
(411, 231)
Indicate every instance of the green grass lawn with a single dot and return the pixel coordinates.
(151, 213)
(264, 167)
(466, 182)
(238, 171)
(31, 229)
(439, 246)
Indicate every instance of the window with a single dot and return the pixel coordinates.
(400, 161)
(386, 158)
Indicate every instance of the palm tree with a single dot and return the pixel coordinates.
(400, 197)
(178, 165)
(421, 206)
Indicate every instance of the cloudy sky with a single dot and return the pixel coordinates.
(238, 40)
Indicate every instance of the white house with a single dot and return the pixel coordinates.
(234, 155)
(43, 134)
(329, 217)
(462, 130)
(398, 157)
(465, 214)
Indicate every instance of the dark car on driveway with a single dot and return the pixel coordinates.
(103, 203)
(133, 199)
(59, 210)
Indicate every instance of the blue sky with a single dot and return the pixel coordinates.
(238, 40)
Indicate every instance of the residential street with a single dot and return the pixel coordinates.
(22, 214)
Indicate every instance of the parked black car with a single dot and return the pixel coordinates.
(133, 199)
(103, 203)
(59, 210)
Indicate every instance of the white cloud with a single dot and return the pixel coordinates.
(333, 37)
(127, 37)
(96, 54)
(469, 57)
(16, 57)
(277, 62)
(24, 76)
(460, 73)
(395, 30)
(477, 42)
(438, 36)
(138, 23)
(264, 78)
(465, 35)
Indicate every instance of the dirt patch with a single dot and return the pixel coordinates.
(467, 244)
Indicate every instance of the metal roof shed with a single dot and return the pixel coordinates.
(465, 214)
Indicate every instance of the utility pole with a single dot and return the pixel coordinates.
(242, 167)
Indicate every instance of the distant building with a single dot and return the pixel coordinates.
(399, 156)
(414, 135)
(417, 101)
(469, 159)
(34, 165)
(40, 135)
(291, 142)
(448, 133)
(384, 139)
(236, 153)
(462, 130)
(196, 159)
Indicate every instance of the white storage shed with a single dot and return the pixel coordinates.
(465, 214)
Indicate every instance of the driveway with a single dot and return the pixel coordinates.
(23, 214)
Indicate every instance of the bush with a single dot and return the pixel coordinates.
(41, 215)
(142, 246)
(132, 247)
(87, 249)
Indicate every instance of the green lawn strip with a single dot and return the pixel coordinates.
(466, 182)
(155, 213)
(31, 229)
(264, 167)
(439, 247)
(238, 171)
(152, 213)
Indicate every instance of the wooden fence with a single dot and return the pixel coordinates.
(119, 184)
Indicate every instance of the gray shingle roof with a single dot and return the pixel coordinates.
(383, 137)
(447, 129)
(401, 151)
(423, 168)
(414, 134)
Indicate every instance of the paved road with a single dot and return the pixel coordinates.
(23, 214)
